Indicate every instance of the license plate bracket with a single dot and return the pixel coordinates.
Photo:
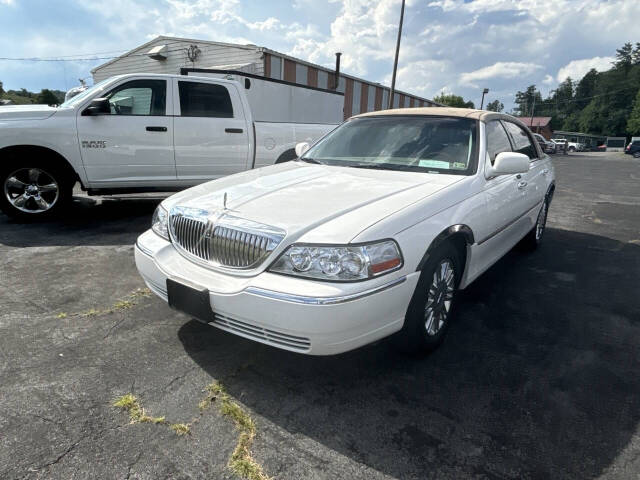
(190, 299)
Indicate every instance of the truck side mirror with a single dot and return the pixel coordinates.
(98, 106)
(301, 148)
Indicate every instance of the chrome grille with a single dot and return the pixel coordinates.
(224, 241)
(190, 234)
(235, 248)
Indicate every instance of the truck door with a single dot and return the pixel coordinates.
(210, 131)
(133, 145)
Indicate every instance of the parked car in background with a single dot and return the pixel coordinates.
(143, 132)
(633, 149)
(368, 233)
(546, 145)
(571, 146)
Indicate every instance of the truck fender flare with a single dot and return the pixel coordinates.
(458, 230)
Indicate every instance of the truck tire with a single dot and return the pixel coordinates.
(572, 149)
(33, 189)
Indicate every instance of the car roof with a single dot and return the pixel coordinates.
(483, 115)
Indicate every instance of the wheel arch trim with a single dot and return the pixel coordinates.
(457, 230)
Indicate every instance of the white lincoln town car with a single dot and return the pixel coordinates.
(368, 233)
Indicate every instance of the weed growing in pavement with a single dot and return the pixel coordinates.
(241, 462)
(123, 304)
(181, 428)
(136, 413)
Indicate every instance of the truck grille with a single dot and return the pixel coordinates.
(230, 241)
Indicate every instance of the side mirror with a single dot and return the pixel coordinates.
(507, 163)
(301, 148)
(98, 106)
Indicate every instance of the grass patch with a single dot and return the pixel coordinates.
(136, 413)
(241, 462)
(125, 303)
(181, 428)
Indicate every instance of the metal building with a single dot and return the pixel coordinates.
(170, 54)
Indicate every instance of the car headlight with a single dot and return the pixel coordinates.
(160, 222)
(339, 262)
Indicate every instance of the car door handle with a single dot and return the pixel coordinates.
(522, 184)
(156, 129)
(233, 130)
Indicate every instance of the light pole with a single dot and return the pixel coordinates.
(395, 63)
(484, 92)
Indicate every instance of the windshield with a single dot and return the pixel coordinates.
(87, 93)
(394, 142)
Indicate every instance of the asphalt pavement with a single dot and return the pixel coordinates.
(538, 377)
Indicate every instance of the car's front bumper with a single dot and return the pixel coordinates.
(305, 316)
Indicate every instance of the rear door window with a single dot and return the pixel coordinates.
(204, 100)
(521, 140)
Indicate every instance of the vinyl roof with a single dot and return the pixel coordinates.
(440, 111)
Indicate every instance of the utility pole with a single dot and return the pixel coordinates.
(533, 107)
(395, 63)
(484, 92)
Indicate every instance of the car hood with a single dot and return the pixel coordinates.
(298, 197)
(26, 112)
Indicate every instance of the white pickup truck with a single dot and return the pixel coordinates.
(146, 132)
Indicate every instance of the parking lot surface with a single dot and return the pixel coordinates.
(538, 377)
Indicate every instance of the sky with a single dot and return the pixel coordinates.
(455, 46)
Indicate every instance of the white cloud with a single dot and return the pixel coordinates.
(576, 69)
(499, 70)
(7, 2)
(548, 79)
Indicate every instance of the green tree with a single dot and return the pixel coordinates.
(453, 101)
(47, 97)
(624, 56)
(1, 89)
(586, 89)
(526, 101)
(636, 54)
(495, 106)
(633, 123)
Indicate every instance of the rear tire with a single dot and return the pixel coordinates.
(430, 310)
(33, 189)
(533, 239)
(636, 154)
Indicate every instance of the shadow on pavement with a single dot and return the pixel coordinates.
(88, 221)
(537, 378)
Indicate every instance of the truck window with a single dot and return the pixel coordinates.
(204, 100)
(139, 97)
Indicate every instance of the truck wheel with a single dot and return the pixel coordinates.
(429, 313)
(572, 149)
(35, 190)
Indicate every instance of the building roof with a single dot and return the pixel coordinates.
(535, 121)
(174, 40)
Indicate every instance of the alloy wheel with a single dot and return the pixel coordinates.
(542, 221)
(439, 297)
(31, 190)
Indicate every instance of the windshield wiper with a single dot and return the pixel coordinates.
(380, 166)
(309, 160)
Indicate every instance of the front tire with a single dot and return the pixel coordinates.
(430, 310)
(33, 190)
(636, 154)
